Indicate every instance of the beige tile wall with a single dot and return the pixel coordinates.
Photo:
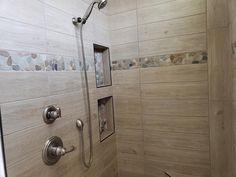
(157, 110)
(231, 103)
(220, 88)
(44, 26)
(161, 113)
(143, 28)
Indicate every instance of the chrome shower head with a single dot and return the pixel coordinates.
(101, 4)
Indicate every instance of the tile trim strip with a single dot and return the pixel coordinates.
(198, 57)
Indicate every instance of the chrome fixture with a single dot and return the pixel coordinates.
(51, 113)
(83, 20)
(79, 124)
(53, 150)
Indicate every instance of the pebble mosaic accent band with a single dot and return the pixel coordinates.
(25, 61)
(161, 60)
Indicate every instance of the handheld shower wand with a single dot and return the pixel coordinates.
(83, 20)
(79, 123)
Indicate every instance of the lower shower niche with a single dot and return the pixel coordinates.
(106, 117)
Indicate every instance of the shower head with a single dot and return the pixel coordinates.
(101, 5)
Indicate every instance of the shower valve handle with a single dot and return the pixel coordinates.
(51, 113)
(54, 149)
(55, 114)
(61, 151)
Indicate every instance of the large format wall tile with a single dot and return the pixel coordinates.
(123, 36)
(176, 27)
(180, 44)
(59, 21)
(126, 77)
(119, 52)
(61, 44)
(118, 6)
(121, 21)
(179, 124)
(141, 3)
(220, 82)
(175, 107)
(22, 86)
(176, 155)
(175, 140)
(184, 90)
(175, 169)
(64, 82)
(74, 7)
(185, 73)
(171, 10)
(26, 11)
(217, 12)
(22, 37)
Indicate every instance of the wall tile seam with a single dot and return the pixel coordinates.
(153, 4)
(182, 163)
(177, 148)
(45, 27)
(140, 7)
(170, 19)
(162, 82)
(122, 12)
(158, 21)
(157, 39)
(163, 131)
(48, 96)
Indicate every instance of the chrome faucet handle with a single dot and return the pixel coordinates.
(53, 150)
(55, 114)
(61, 151)
(51, 113)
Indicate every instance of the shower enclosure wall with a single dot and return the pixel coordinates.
(41, 65)
(173, 68)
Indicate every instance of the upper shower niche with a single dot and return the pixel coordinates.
(102, 66)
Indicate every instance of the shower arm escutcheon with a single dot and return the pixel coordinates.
(53, 150)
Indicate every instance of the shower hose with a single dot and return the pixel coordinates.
(86, 164)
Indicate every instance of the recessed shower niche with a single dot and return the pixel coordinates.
(106, 117)
(102, 66)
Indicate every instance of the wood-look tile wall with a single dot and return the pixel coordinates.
(40, 26)
(231, 103)
(161, 112)
(221, 104)
(146, 28)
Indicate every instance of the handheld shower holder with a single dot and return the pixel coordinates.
(76, 20)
